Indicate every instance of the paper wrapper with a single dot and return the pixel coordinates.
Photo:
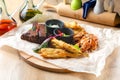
(108, 40)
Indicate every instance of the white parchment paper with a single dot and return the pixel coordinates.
(108, 41)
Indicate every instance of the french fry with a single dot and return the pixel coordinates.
(57, 53)
(65, 46)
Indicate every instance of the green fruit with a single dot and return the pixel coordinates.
(76, 4)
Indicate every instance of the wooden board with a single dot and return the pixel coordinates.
(35, 62)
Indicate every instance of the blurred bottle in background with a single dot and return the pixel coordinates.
(30, 10)
(7, 23)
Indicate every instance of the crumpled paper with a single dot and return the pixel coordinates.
(108, 40)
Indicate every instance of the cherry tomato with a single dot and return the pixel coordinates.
(4, 26)
(12, 25)
(6, 21)
(2, 32)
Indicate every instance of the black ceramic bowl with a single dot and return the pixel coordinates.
(68, 35)
(53, 24)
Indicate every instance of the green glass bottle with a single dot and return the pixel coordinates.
(28, 11)
(76, 4)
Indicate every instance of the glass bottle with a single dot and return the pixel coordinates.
(6, 21)
(99, 8)
(76, 4)
(28, 11)
(86, 6)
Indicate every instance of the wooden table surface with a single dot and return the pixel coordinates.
(12, 67)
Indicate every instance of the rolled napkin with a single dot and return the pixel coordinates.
(117, 6)
(109, 5)
(112, 6)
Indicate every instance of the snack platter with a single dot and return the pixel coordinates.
(61, 42)
(92, 64)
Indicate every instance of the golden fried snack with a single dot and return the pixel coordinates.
(56, 53)
(73, 25)
(53, 53)
(79, 35)
(64, 45)
(88, 42)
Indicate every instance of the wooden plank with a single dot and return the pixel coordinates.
(35, 62)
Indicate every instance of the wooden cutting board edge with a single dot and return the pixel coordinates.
(40, 64)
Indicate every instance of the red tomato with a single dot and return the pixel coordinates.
(4, 26)
(6, 21)
(2, 32)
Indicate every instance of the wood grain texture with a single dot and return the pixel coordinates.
(35, 62)
(12, 67)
